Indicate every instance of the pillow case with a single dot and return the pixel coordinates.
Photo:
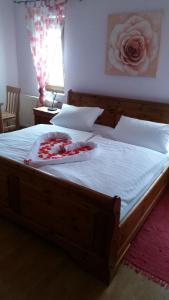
(142, 133)
(104, 131)
(74, 117)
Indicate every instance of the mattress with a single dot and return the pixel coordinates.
(117, 169)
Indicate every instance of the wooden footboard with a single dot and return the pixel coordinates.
(82, 221)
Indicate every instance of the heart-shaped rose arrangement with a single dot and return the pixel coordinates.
(56, 148)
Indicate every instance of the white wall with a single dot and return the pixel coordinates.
(85, 47)
(8, 58)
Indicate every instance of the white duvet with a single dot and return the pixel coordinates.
(119, 169)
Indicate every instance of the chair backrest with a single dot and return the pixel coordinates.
(13, 99)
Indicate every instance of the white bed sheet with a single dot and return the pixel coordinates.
(118, 169)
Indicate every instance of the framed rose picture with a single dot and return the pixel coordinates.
(133, 44)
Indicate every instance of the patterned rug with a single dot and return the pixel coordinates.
(149, 252)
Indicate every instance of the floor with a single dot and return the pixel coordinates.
(31, 268)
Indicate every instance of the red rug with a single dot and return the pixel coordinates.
(149, 252)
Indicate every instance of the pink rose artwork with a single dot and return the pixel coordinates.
(133, 44)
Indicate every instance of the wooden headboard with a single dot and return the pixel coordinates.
(114, 107)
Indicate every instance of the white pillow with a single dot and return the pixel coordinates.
(80, 118)
(142, 133)
(104, 131)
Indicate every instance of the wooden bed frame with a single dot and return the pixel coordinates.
(83, 222)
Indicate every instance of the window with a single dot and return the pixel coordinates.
(55, 60)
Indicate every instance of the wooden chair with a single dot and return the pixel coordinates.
(9, 119)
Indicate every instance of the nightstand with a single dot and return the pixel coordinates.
(42, 115)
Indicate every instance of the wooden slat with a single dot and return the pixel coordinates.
(7, 115)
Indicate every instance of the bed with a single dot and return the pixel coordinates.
(83, 221)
